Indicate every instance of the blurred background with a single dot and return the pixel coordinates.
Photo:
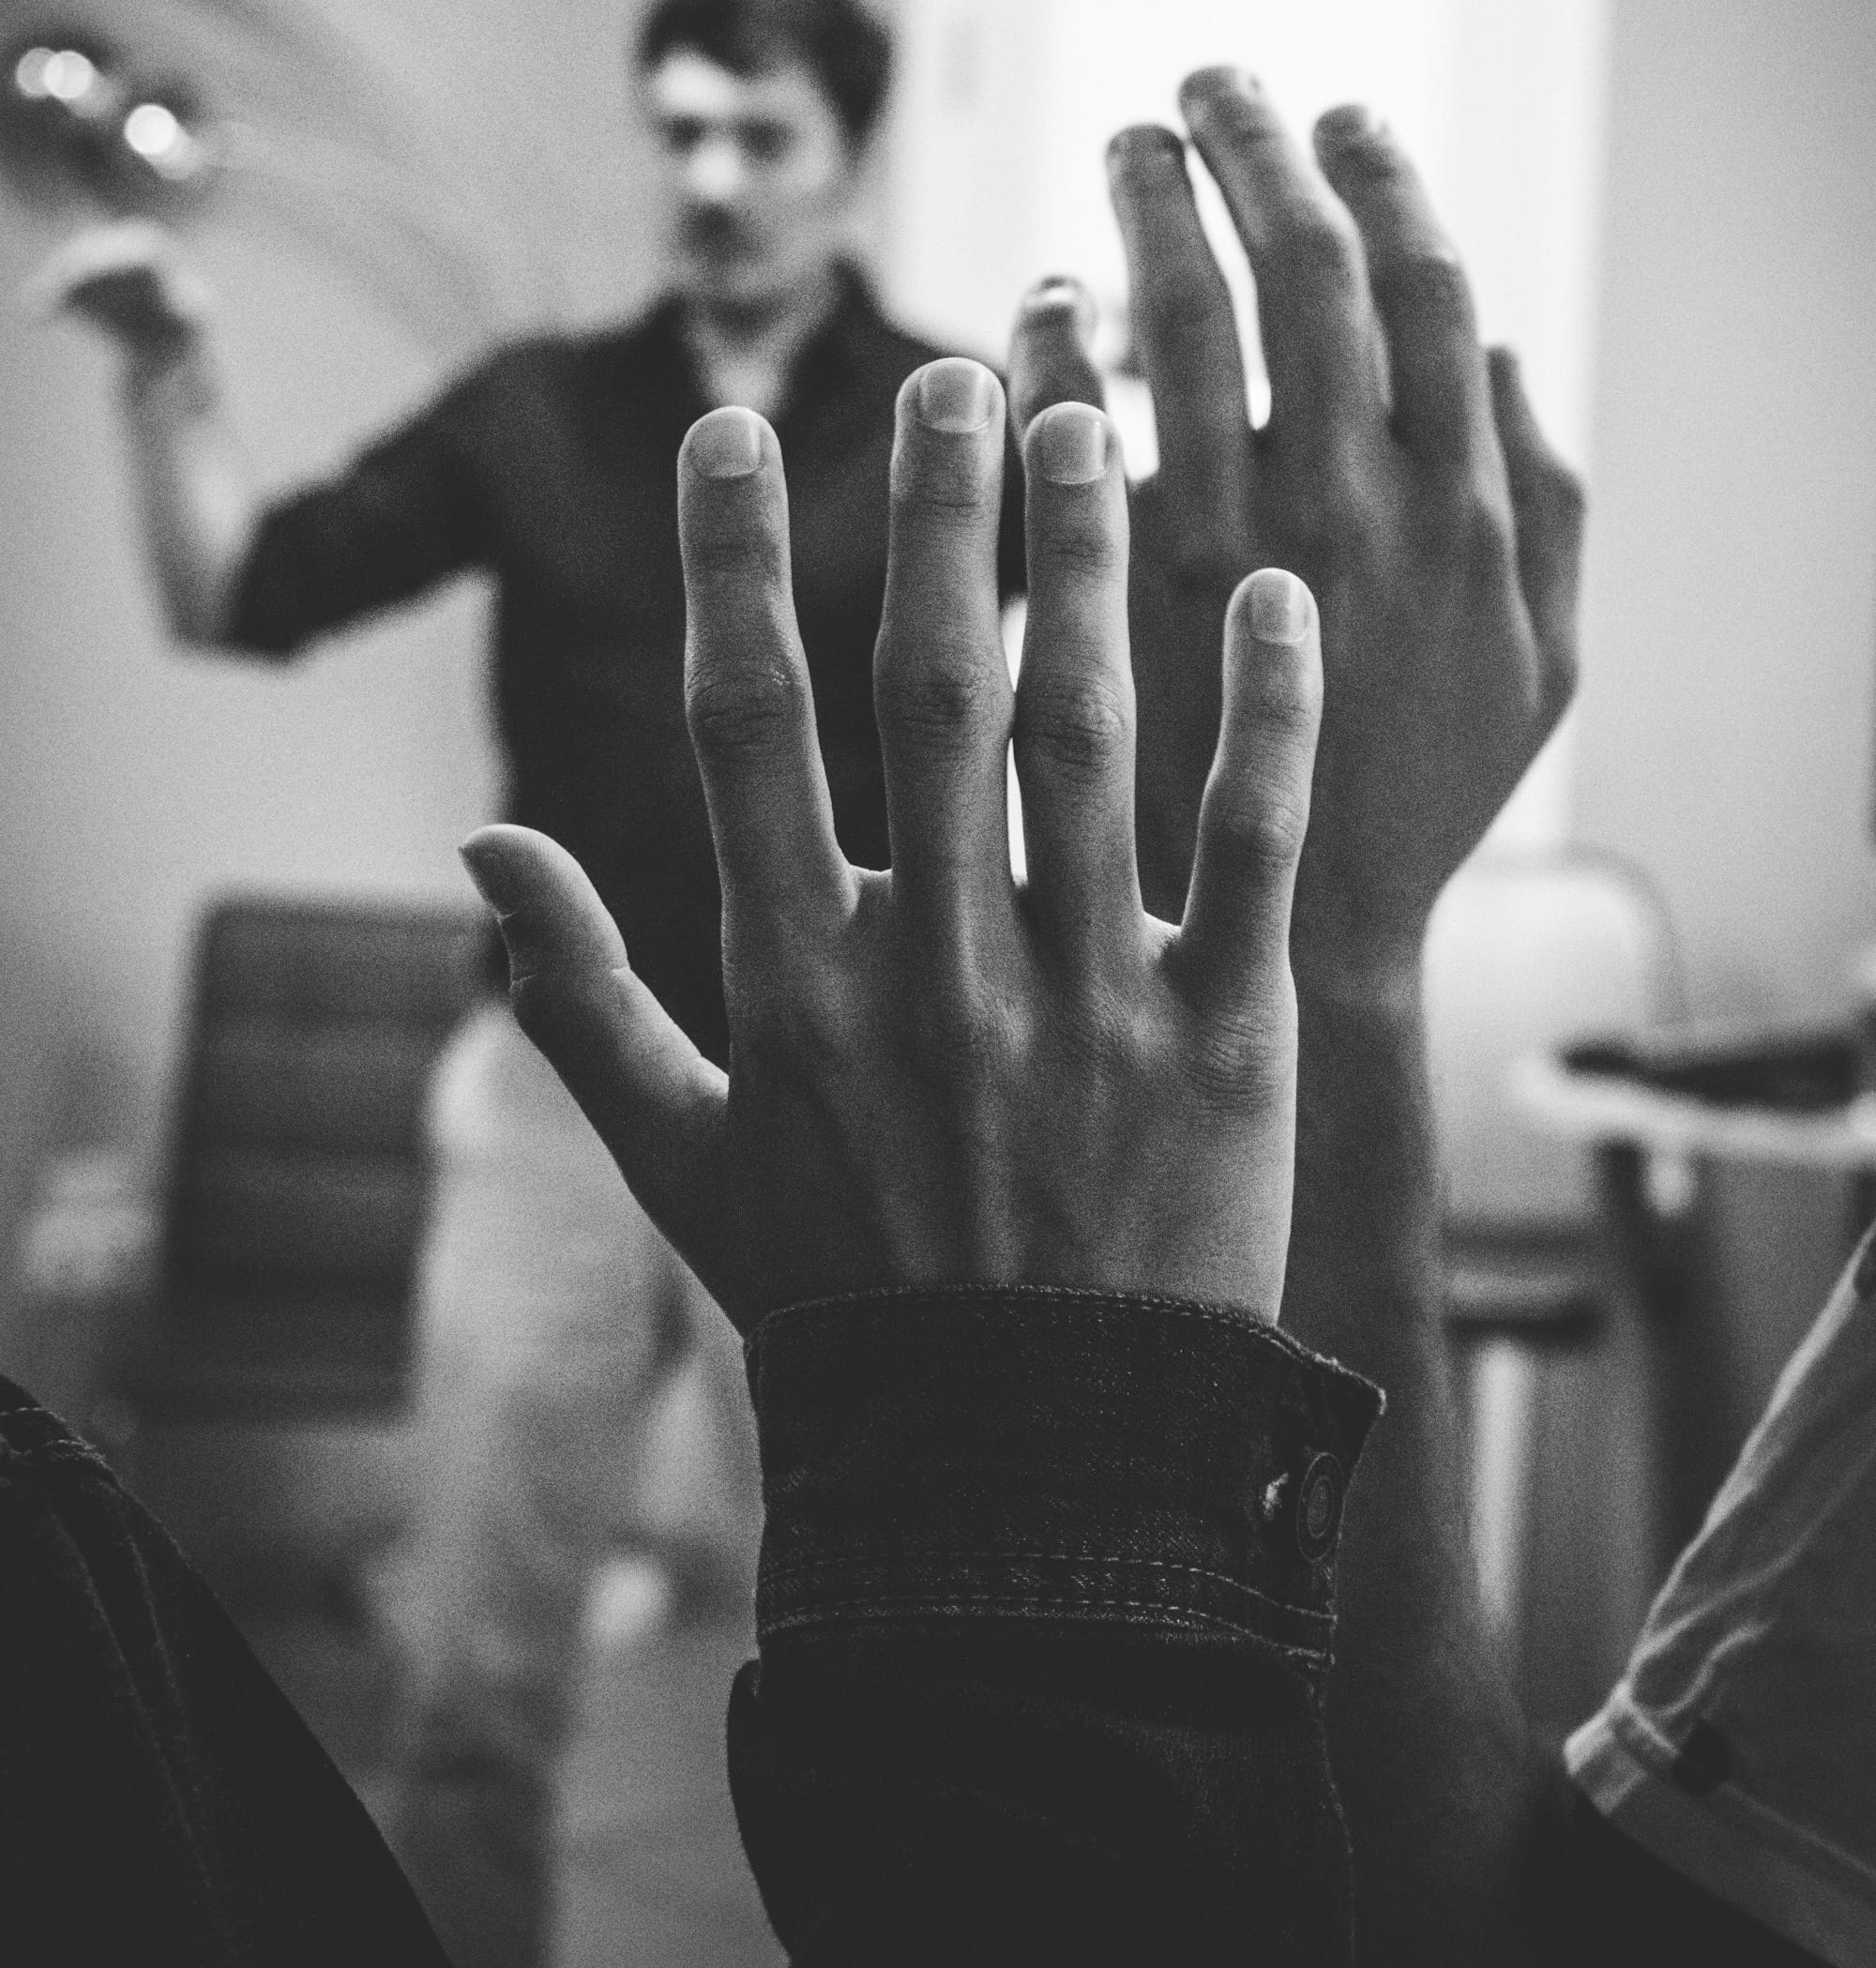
(1669, 206)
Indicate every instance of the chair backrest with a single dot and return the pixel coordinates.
(297, 1167)
(1526, 952)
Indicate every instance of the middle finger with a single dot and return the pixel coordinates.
(1074, 707)
(941, 681)
(1321, 341)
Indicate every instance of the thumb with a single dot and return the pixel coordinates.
(653, 1098)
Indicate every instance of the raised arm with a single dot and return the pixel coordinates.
(197, 498)
(1401, 472)
(998, 1187)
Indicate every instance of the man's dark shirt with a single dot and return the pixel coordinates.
(554, 467)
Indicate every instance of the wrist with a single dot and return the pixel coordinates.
(167, 364)
(1354, 977)
(1347, 954)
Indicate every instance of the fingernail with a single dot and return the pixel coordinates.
(1348, 123)
(1051, 293)
(1060, 295)
(1221, 81)
(1072, 444)
(727, 443)
(955, 395)
(1279, 606)
(1146, 144)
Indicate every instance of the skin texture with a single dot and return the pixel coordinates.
(937, 1077)
(1401, 472)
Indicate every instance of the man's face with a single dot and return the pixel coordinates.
(761, 180)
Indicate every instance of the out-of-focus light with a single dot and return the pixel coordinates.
(152, 131)
(29, 73)
(165, 142)
(69, 76)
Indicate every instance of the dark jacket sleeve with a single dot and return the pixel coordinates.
(406, 514)
(160, 1800)
(1045, 1611)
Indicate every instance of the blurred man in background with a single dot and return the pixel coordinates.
(551, 1311)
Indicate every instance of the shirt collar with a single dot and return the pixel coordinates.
(837, 355)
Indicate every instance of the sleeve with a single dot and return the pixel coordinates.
(1729, 1768)
(1044, 1613)
(406, 514)
(160, 1800)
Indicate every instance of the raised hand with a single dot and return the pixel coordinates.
(1401, 472)
(936, 1077)
(129, 281)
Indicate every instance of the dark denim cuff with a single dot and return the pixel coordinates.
(1033, 1454)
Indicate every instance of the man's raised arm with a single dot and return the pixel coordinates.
(1401, 471)
(197, 499)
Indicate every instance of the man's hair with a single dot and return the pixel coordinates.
(846, 50)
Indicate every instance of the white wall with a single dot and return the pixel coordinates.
(1009, 105)
(473, 163)
(1730, 611)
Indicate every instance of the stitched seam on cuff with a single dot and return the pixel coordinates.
(777, 1577)
(1006, 1583)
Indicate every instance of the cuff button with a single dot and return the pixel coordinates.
(1319, 1507)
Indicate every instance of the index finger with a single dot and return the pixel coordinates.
(747, 694)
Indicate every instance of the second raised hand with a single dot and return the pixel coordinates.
(935, 1077)
(1401, 472)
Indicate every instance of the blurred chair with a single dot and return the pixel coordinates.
(293, 1202)
(1527, 952)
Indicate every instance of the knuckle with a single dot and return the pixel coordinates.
(1334, 518)
(1289, 697)
(1183, 328)
(1081, 726)
(1258, 833)
(791, 1018)
(942, 694)
(1319, 248)
(1430, 284)
(1570, 497)
(1244, 1062)
(742, 715)
(1486, 539)
(1558, 675)
(1077, 547)
(940, 481)
(1368, 161)
(967, 1036)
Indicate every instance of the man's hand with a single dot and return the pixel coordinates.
(1401, 472)
(129, 281)
(936, 1077)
